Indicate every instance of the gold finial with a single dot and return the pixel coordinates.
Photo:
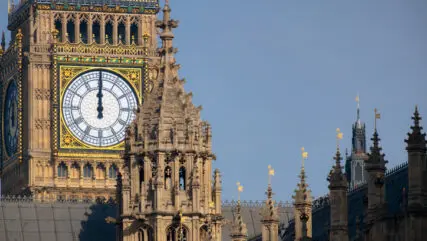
(146, 36)
(19, 35)
(304, 156)
(339, 137)
(239, 190)
(357, 99)
(55, 33)
(270, 173)
(377, 116)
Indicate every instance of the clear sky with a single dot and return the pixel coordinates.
(276, 75)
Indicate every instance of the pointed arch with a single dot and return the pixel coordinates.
(141, 174)
(168, 177)
(182, 178)
(112, 171)
(70, 30)
(109, 32)
(87, 171)
(58, 26)
(121, 31)
(84, 31)
(62, 170)
(204, 232)
(177, 233)
(134, 33)
(96, 31)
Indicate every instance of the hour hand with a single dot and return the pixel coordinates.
(100, 108)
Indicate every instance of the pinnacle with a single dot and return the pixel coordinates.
(416, 140)
(338, 159)
(375, 157)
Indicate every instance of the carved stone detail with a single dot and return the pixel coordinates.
(42, 94)
(42, 124)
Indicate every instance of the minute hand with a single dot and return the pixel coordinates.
(99, 95)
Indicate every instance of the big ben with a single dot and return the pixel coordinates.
(72, 79)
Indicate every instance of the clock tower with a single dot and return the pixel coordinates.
(71, 81)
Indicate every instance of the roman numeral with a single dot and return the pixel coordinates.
(122, 122)
(87, 130)
(126, 109)
(78, 120)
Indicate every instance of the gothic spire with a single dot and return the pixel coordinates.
(336, 176)
(3, 41)
(416, 139)
(376, 157)
(239, 231)
(270, 212)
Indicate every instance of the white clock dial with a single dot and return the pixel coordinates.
(97, 108)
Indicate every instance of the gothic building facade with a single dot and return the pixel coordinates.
(388, 205)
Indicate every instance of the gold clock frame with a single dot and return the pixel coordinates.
(67, 73)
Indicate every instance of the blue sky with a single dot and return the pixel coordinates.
(277, 75)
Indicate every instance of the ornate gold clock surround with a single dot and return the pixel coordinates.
(67, 73)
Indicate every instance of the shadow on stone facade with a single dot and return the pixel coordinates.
(95, 227)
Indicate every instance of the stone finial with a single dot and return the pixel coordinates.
(416, 139)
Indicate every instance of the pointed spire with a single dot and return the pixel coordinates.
(416, 139)
(358, 107)
(3, 41)
(302, 175)
(336, 176)
(239, 231)
(270, 212)
(376, 158)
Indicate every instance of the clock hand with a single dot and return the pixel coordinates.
(100, 95)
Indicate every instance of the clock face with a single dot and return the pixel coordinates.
(10, 122)
(97, 108)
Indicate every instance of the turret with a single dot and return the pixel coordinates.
(303, 205)
(270, 218)
(417, 170)
(338, 198)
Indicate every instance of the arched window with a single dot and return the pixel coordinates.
(75, 170)
(134, 33)
(204, 233)
(176, 234)
(358, 172)
(62, 170)
(100, 171)
(109, 33)
(58, 26)
(141, 174)
(112, 172)
(87, 171)
(145, 233)
(83, 31)
(168, 178)
(96, 32)
(182, 178)
(122, 33)
(70, 31)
